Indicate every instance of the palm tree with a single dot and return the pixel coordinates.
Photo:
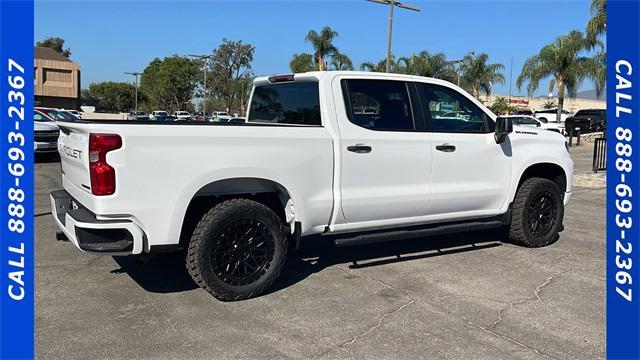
(302, 63)
(501, 106)
(323, 45)
(562, 60)
(549, 104)
(598, 72)
(598, 23)
(380, 66)
(478, 75)
(596, 27)
(341, 62)
(425, 64)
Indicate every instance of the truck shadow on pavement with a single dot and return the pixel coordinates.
(165, 273)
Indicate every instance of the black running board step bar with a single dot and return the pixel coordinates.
(393, 235)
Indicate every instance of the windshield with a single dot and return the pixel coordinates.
(524, 121)
(38, 116)
(588, 113)
(59, 115)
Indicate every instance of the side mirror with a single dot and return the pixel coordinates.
(504, 127)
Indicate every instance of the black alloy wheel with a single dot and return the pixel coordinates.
(242, 252)
(542, 214)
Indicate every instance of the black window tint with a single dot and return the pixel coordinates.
(287, 103)
(379, 104)
(447, 110)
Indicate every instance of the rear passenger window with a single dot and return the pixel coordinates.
(446, 110)
(379, 104)
(295, 103)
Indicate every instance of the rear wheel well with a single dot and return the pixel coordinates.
(549, 171)
(266, 192)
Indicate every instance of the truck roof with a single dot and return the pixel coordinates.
(319, 75)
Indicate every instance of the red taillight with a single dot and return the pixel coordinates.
(103, 176)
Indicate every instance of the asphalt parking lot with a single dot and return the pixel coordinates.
(466, 296)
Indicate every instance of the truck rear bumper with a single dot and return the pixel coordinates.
(92, 235)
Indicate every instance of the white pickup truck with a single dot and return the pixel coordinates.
(355, 157)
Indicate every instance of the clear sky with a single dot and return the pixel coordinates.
(108, 38)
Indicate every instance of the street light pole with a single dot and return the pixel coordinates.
(390, 34)
(136, 75)
(204, 59)
(510, 79)
(392, 4)
(459, 62)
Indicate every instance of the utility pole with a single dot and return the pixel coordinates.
(136, 74)
(392, 4)
(510, 79)
(204, 59)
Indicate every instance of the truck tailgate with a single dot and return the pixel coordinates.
(73, 145)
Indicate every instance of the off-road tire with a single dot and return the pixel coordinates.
(530, 190)
(200, 257)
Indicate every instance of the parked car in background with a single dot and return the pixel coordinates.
(45, 133)
(198, 116)
(220, 116)
(159, 115)
(138, 115)
(549, 115)
(525, 120)
(588, 120)
(56, 115)
(75, 113)
(182, 115)
(523, 112)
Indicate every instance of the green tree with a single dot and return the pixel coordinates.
(55, 43)
(597, 68)
(230, 72)
(111, 96)
(425, 64)
(323, 46)
(597, 25)
(564, 62)
(169, 84)
(302, 63)
(478, 76)
(501, 106)
(549, 104)
(380, 66)
(341, 62)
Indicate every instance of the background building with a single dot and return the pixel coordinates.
(57, 80)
